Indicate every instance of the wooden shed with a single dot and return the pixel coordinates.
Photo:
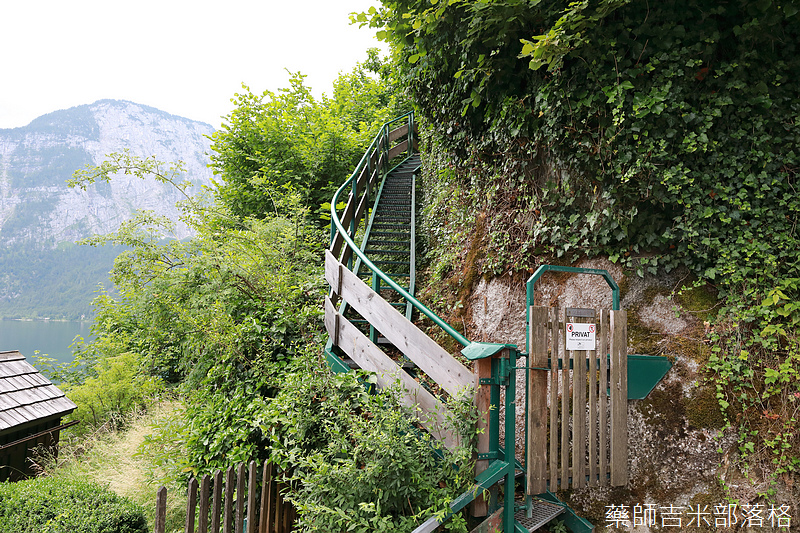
(31, 408)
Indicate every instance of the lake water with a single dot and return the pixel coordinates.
(48, 337)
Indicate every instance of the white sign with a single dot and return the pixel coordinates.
(580, 336)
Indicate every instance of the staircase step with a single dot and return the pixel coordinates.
(388, 234)
(542, 513)
(391, 226)
(385, 252)
(381, 262)
(406, 244)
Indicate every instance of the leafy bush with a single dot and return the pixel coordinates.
(52, 505)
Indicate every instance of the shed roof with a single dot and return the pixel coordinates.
(26, 395)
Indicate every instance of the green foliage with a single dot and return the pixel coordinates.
(231, 318)
(359, 463)
(755, 366)
(289, 138)
(116, 388)
(665, 129)
(659, 135)
(54, 505)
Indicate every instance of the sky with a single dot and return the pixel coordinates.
(188, 58)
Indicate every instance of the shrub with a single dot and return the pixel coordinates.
(51, 505)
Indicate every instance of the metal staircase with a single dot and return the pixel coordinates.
(368, 318)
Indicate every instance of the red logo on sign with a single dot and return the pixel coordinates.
(591, 328)
(569, 328)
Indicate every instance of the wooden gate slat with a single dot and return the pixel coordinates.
(266, 505)
(592, 434)
(230, 483)
(578, 414)
(240, 492)
(554, 355)
(603, 386)
(565, 416)
(278, 508)
(161, 510)
(205, 484)
(252, 489)
(619, 398)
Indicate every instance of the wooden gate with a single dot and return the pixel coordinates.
(577, 400)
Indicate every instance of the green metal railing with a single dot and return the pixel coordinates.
(381, 142)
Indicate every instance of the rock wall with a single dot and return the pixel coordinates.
(679, 454)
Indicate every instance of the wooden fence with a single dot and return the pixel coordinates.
(233, 503)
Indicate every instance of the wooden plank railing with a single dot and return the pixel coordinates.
(431, 358)
(223, 503)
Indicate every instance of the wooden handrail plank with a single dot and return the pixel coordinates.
(362, 179)
(396, 133)
(431, 358)
(483, 403)
(362, 206)
(349, 211)
(371, 358)
(398, 149)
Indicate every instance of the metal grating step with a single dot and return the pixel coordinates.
(385, 252)
(397, 244)
(389, 234)
(542, 513)
(381, 262)
(391, 226)
(392, 219)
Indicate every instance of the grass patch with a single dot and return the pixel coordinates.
(113, 460)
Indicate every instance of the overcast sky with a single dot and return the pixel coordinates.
(184, 57)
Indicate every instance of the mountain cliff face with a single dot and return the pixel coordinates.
(36, 160)
(40, 213)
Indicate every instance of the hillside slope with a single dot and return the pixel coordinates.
(40, 216)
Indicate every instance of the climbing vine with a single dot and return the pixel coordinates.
(660, 135)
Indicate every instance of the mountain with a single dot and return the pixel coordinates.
(42, 272)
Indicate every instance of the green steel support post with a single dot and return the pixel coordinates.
(510, 440)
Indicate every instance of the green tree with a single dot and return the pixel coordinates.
(289, 138)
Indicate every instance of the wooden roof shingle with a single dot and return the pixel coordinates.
(26, 395)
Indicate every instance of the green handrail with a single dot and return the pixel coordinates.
(337, 224)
